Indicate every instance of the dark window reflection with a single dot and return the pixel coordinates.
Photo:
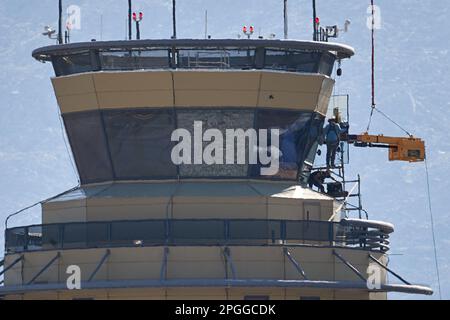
(208, 58)
(135, 60)
(220, 59)
(72, 64)
(88, 143)
(297, 61)
(138, 146)
(139, 142)
(327, 64)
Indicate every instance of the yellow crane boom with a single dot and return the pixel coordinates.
(409, 149)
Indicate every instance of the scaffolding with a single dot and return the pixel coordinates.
(348, 192)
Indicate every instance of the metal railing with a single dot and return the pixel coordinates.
(137, 233)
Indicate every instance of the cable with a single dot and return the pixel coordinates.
(35, 204)
(373, 54)
(432, 230)
(69, 153)
(373, 80)
(372, 66)
(387, 117)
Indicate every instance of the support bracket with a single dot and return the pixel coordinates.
(102, 261)
(11, 265)
(58, 255)
(163, 272)
(229, 260)
(350, 266)
(388, 270)
(295, 263)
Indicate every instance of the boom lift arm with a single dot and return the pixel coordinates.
(409, 149)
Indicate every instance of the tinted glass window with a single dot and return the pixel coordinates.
(132, 60)
(71, 64)
(327, 64)
(88, 141)
(221, 59)
(140, 144)
(137, 144)
(220, 120)
(297, 61)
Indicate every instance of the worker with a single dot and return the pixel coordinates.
(317, 178)
(332, 137)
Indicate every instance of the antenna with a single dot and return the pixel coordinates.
(248, 31)
(174, 19)
(60, 37)
(49, 32)
(315, 20)
(285, 20)
(129, 20)
(138, 18)
(101, 27)
(206, 24)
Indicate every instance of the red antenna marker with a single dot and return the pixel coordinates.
(248, 31)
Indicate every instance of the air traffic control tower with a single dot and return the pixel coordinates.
(143, 226)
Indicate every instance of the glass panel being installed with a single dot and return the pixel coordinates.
(294, 131)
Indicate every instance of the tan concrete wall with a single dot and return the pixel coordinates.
(206, 88)
(219, 200)
(198, 263)
(199, 294)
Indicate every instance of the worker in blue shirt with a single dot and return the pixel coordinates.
(332, 137)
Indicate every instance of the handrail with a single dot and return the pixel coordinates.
(369, 235)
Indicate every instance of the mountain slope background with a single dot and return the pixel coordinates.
(412, 71)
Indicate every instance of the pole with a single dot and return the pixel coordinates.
(373, 54)
(60, 36)
(174, 21)
(206, 24)
(285, 20)
(129, 21)
(314, 20)
(138, 31)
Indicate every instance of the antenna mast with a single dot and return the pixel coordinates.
(314, 20)
(174, 19)
(129, 21)
(60, 37)
(285, 20)
(206, 24)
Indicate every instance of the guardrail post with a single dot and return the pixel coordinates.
(61, 229)
(226, 230)
(27, 239)
(167, 231)
(109, 232)
(331, 233)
